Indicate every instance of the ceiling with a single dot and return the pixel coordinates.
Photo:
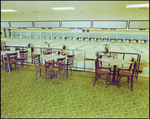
(84, 10)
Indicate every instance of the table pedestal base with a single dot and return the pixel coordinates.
(113, 83)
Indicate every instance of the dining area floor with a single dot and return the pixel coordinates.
(22, 96)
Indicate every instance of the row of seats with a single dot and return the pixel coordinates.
(59, 65)
(12, 58)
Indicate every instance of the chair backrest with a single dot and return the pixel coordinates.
(131, 64)
(47, 52)
(61, 62)
(24, 54)
(134, 67)
(70, 58)
(11, 56)
(96, 64)
(37, 59)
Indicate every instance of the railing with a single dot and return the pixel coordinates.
(85, 58)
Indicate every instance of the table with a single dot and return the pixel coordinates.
(51, 57)
(115, 62)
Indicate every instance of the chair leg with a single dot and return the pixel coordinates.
(128, 79)
(119, 81)
(64, 73)
(9, 67)
(107, 81)
(131, 83)
(67, 70)
(6, 67)
(40, 72)
(117, 74)
(45, 74)
(71, 69)
(95, 78)
(27, 63)
(59, 75)
(22, 64)
(36, 73)
(50, 74)
(16, 66)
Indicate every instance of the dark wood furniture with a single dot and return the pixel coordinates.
(69, 63)
(58, 68)
(129, 74)
(11, 58)
(40, 66)
(23, 57)
(100, 71)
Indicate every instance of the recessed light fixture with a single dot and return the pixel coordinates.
(62, 8)
(8, 10)
(137, 5)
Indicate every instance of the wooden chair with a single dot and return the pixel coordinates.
(108, 67)
(40, 66)
(60, 66)
(124, 68)
(100, 71)
(69, 63)
(23, 57)
(11, 59)
(128, 74)
(4, 57)
(50, 61)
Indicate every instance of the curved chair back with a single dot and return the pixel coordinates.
(70, 59)
(134, 67)
(11, 57)
(37, 59)
(24, 54)
(61, 62)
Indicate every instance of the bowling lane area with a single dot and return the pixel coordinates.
(90, 47)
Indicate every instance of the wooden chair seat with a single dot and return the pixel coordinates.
(123, 68)
(12, 61)
(55, 68)
(42, 66)
(105, 67)
(21, 58)
(100, 71)
(50, 62)
(127, 73)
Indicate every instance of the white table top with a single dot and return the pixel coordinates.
(115, 61)
(7, 52)
(51, 57)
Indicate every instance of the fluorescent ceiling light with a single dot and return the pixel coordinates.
(8, 10)
(137, 5)
(62, 8)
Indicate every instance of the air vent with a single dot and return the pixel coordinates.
(34, 11)
(143, 8)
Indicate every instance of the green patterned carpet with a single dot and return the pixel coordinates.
(24, 97)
